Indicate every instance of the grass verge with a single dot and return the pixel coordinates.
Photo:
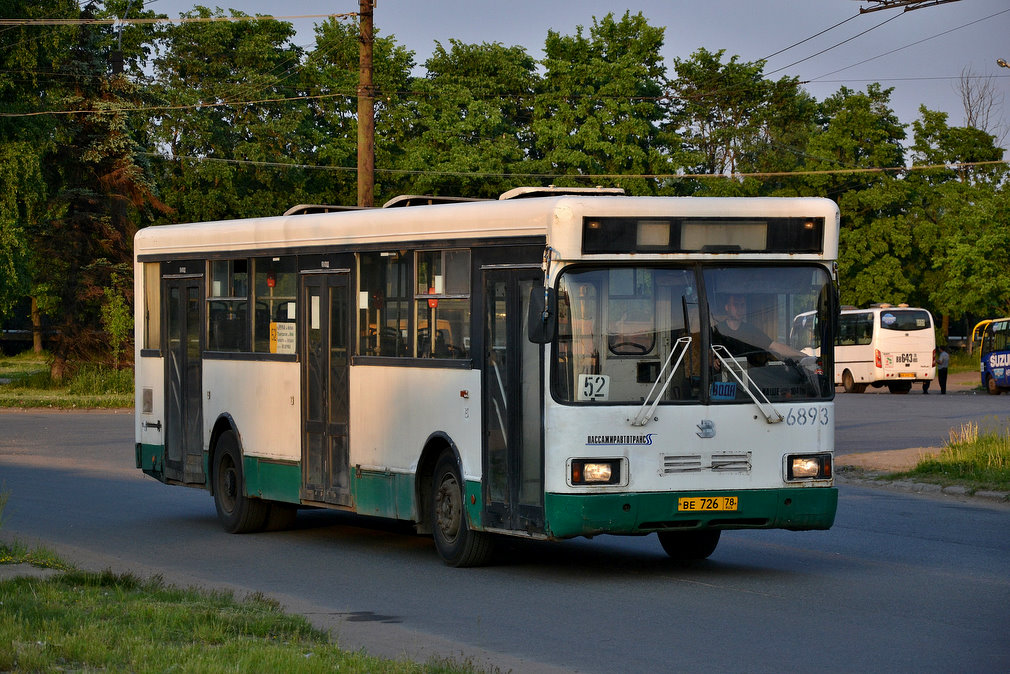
(975, 460)
(82, 621)
(25, 382)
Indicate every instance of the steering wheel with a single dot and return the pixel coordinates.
(639, 348)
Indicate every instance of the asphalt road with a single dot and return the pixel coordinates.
(866, 422)
(899, 583)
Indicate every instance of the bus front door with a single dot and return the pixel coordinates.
(184, 379)
(512, 453)
(325, 395)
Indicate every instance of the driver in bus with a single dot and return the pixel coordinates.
(743, 338)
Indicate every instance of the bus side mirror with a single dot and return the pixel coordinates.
(543, 315)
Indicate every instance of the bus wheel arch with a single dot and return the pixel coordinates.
(441, 493)
(237, 512)
(849, 383)
(436, 444)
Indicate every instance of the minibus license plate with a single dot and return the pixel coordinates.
(907, 375)
(704, 503)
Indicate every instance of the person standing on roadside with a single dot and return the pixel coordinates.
(925, 384)
(942, 363)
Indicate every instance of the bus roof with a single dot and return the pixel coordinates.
(558, 218)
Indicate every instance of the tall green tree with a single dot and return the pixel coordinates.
(28, 85)
(329, 133)
(960, 212)
(719, 109)
(471, 125)
(600, 109)
(734, 120)
(860, 131)
(96, 189)
(225, 123)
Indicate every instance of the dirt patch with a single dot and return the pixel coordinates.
(891, 461)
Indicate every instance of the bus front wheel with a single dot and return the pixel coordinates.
(456, 543)
(238, 513)
(992, 387)
(686, 546)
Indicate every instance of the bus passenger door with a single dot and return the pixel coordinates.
(184, 379)
(512, 452)
(325, 394)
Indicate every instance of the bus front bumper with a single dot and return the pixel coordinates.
(796, 509)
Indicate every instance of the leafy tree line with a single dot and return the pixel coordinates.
(214, 120)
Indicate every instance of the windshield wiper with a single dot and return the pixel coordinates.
(645, 413)
(771, 414)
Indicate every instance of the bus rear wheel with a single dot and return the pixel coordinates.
(850, 385)
(687, 546)
(237, 512)
(456, 543)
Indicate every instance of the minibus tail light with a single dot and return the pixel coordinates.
(876, 358)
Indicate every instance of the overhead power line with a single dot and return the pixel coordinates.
(807, 39)
(837, 44)
(909, 5)
(911, 44)
(585, 176)
(181, 19)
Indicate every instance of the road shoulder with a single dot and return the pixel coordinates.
(872, 469)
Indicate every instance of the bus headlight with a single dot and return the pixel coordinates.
(808, 467)
(595, 471)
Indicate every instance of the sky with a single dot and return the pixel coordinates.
(921, 53)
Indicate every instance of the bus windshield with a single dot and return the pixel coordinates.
(620, 327)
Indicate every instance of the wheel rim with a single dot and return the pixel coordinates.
(227, 484)
(448, 508)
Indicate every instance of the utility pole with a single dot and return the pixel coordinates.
(366, 106)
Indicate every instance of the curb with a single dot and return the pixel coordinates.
(871, 478)
(10, 571)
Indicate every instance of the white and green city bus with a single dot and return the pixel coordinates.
(552, 364)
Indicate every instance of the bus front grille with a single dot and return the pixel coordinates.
(726, 462)
(681, 463)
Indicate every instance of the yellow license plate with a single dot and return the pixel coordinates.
(707, 503)
(908, 375)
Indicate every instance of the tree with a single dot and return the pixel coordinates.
(734, 120)
(330, 77)
(28, 56)
(599, 109)
(960, 214)
(861, 131)
(982, 102)
(720, 108)
(96, 188)
(223, 123)
(470, 129)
